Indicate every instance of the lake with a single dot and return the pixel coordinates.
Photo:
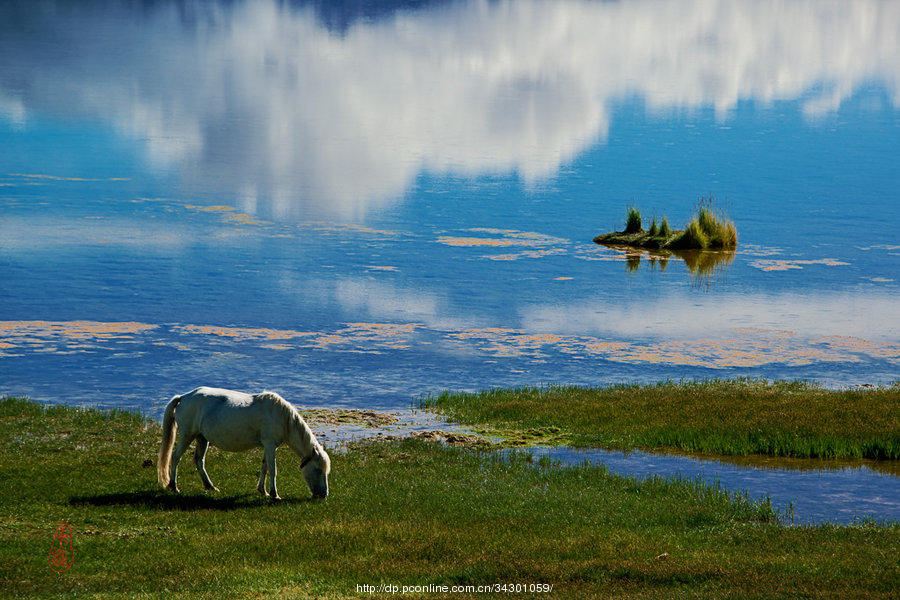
(358, 203)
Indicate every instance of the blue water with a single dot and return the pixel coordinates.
(356, 204)
(803, 492)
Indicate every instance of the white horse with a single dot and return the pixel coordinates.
(236, 422)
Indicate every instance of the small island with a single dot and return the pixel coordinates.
(707, 230)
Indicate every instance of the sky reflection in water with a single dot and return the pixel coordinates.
(355, 208)
(267, 104)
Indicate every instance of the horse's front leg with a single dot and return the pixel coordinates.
(200, 462)
(269, 447)
(261, 487)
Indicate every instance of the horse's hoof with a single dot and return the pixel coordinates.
(276, 498)
(262, 492)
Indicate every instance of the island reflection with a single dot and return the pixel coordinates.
(702, 264)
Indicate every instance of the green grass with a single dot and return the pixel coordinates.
(633, 221)
(403, 513)
(707, 230)
(733, 417)
(664, 230)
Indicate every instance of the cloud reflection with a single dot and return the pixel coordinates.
(848, 315)
(265, 103)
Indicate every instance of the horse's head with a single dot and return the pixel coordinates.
(315, 468)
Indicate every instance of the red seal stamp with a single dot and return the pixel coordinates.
(62, 556)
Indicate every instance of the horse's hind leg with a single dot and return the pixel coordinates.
(261, 487)
(180, 449)
(200, 462)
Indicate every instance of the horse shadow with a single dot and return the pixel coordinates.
(163, 500)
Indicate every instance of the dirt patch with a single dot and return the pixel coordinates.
(453, 439)
(366, 418)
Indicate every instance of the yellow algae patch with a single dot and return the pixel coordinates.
(541, 338)
(783, 333)
(507, 238)
(884, 247)
(72, 329)
(277, 346)
(595, 252)
(859, 345)
(493, 231)
(58, 178)
(368, 337)
(735, 352)
(784, 265)
(470, 242)
(749, 348)
(483, 332)
(755, 250)
(243, 219)
(244, 333)
(522, 236)
(344, 227)
(383, 328)
(44, 336)
(527, 254)
(597, 347)
(506, 343)
(738, 348)
(326, 340)
(214, 208)
(229, 214)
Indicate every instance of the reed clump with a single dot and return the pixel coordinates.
(633, 222)
(707, 230)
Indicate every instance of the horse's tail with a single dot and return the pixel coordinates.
(169, 427)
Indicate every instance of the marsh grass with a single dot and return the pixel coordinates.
(633, 223)
(692, 236)
(404, 513)
(664, 230)
(732, 417)
(707, 230)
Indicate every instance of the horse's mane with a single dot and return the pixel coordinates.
(293, 418)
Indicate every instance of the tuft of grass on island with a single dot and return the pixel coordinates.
(727, 417)
(708, 230)
(401, 513)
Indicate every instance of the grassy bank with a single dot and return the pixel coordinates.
(726, 417)
(404, 513)
(706, 230)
